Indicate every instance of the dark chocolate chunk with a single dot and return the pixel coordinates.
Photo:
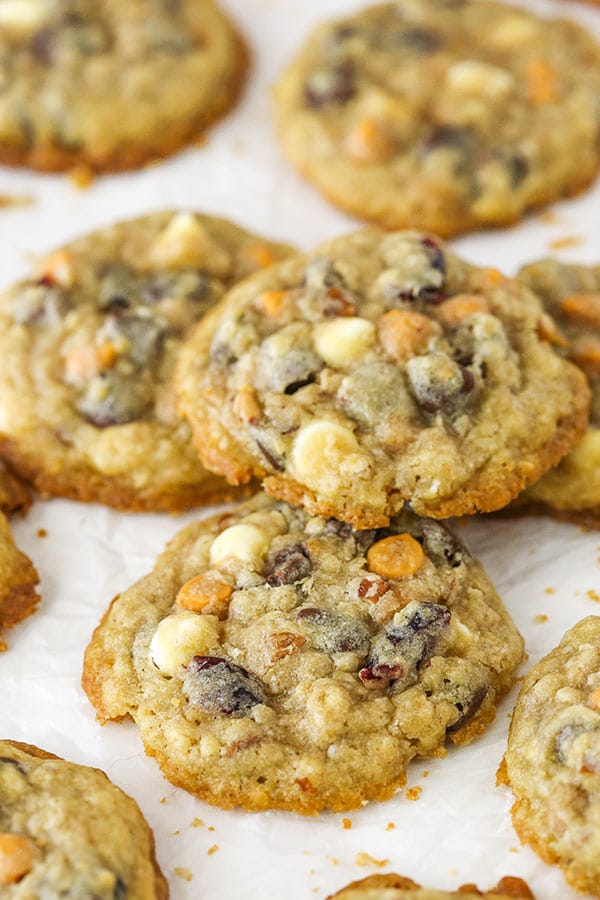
(290, 565)
(330, 87)
(335, 633)
(216, 685)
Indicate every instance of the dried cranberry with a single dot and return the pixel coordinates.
(292, 564)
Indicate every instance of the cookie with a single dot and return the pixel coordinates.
(376, 370)
(87, 348)
(553, 758)
(274, 660)
(14, 496)
(112, 85)
(66, 830)
(571, 295)
(18, 580)
(441, 115)
(396, 887)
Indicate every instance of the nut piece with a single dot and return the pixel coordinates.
(186, 242)
(395, 556)
(343, 340)
(206, 593)
(248, 543)
(17, 856)
(246, 406)
(320, 449)
(403, 333)
(180, 637)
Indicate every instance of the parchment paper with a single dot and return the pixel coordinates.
(459, 828)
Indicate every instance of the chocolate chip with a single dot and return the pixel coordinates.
(440, 384)
(330, 87)
(143, 333)
(216, 685)
(468, 708)
(273, 460)
(41, 304)
(292, 371)
(188, 285)
(114, 399)
(42, 45)
(290, 565)
(340, 529)
(120, 889)
(296, 385)
(118, 289)
(416, 38)
(334, 633)
(9, 761)
(414, 637)
(441, 546)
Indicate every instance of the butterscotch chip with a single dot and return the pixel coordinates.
(88, 344)
(553, 758)
(310, 691)
(442, 116)
(393, 402)
(396, 887)
(53, 845)
(395, 556)
(207, 591)
(109, 86)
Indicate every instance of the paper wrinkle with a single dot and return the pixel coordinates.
(459, 829)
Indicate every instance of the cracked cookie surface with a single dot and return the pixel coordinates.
(87, 348)
(396, 887)
(443, 115)
(571, 295)
(552, 762)
(111, 85)
(274, 660)
(380, 369)
(54, 845)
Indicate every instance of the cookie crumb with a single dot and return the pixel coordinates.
(334, 860)
(414, 793)
(390, 826)
(513, 849)
(365, 859)
(540, 619)
(425, 773)
(550, 590)
(8, 200)
(197, 823)
(593, 595)
(211, 827)
(175, 833)
(183, 873)
(81, 177)
(42, 533)
(563, 243)
(163, 800)
(212, 849)
(549, 217)
(346, 823)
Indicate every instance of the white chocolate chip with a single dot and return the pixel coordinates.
(513, 30)
(248, 543)
(473, 77)
(322, 451)
(587, 452)
(25, 15)
(186, 242)
(344, 340)
(181, 636)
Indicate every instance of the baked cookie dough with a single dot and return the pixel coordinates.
(376, 370)
(14, 496)
(274, 660)
(66, 831)
(442, 115)
(553, 758)
(396, 887)
(18, 580)
(87, 349)
(111, 85)
(571, 294)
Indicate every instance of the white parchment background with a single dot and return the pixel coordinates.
(459, 829)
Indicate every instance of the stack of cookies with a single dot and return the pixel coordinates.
(296, 651)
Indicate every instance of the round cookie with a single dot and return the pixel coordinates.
(553, 758)
(274, 660)
(442, 115)
(18, 580)
(65, 830)
(380, 369)
(87, 349)
(571, 294)
(112, 85)
(396, 887)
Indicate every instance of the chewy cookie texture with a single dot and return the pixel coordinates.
(277, 660)
(445, 116)
(18, 577)
(66, 831)
(87, 348)
(571, 295)
(553, 758)
(381, 369)
(396, 887)
(111, 84)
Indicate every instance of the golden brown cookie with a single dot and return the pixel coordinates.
(112, 85)
(377, 370)
(396, 887)
(66, 830)
(14, 496)
(273, 660)
(443, 116)
(553, 758)
(87, 348)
